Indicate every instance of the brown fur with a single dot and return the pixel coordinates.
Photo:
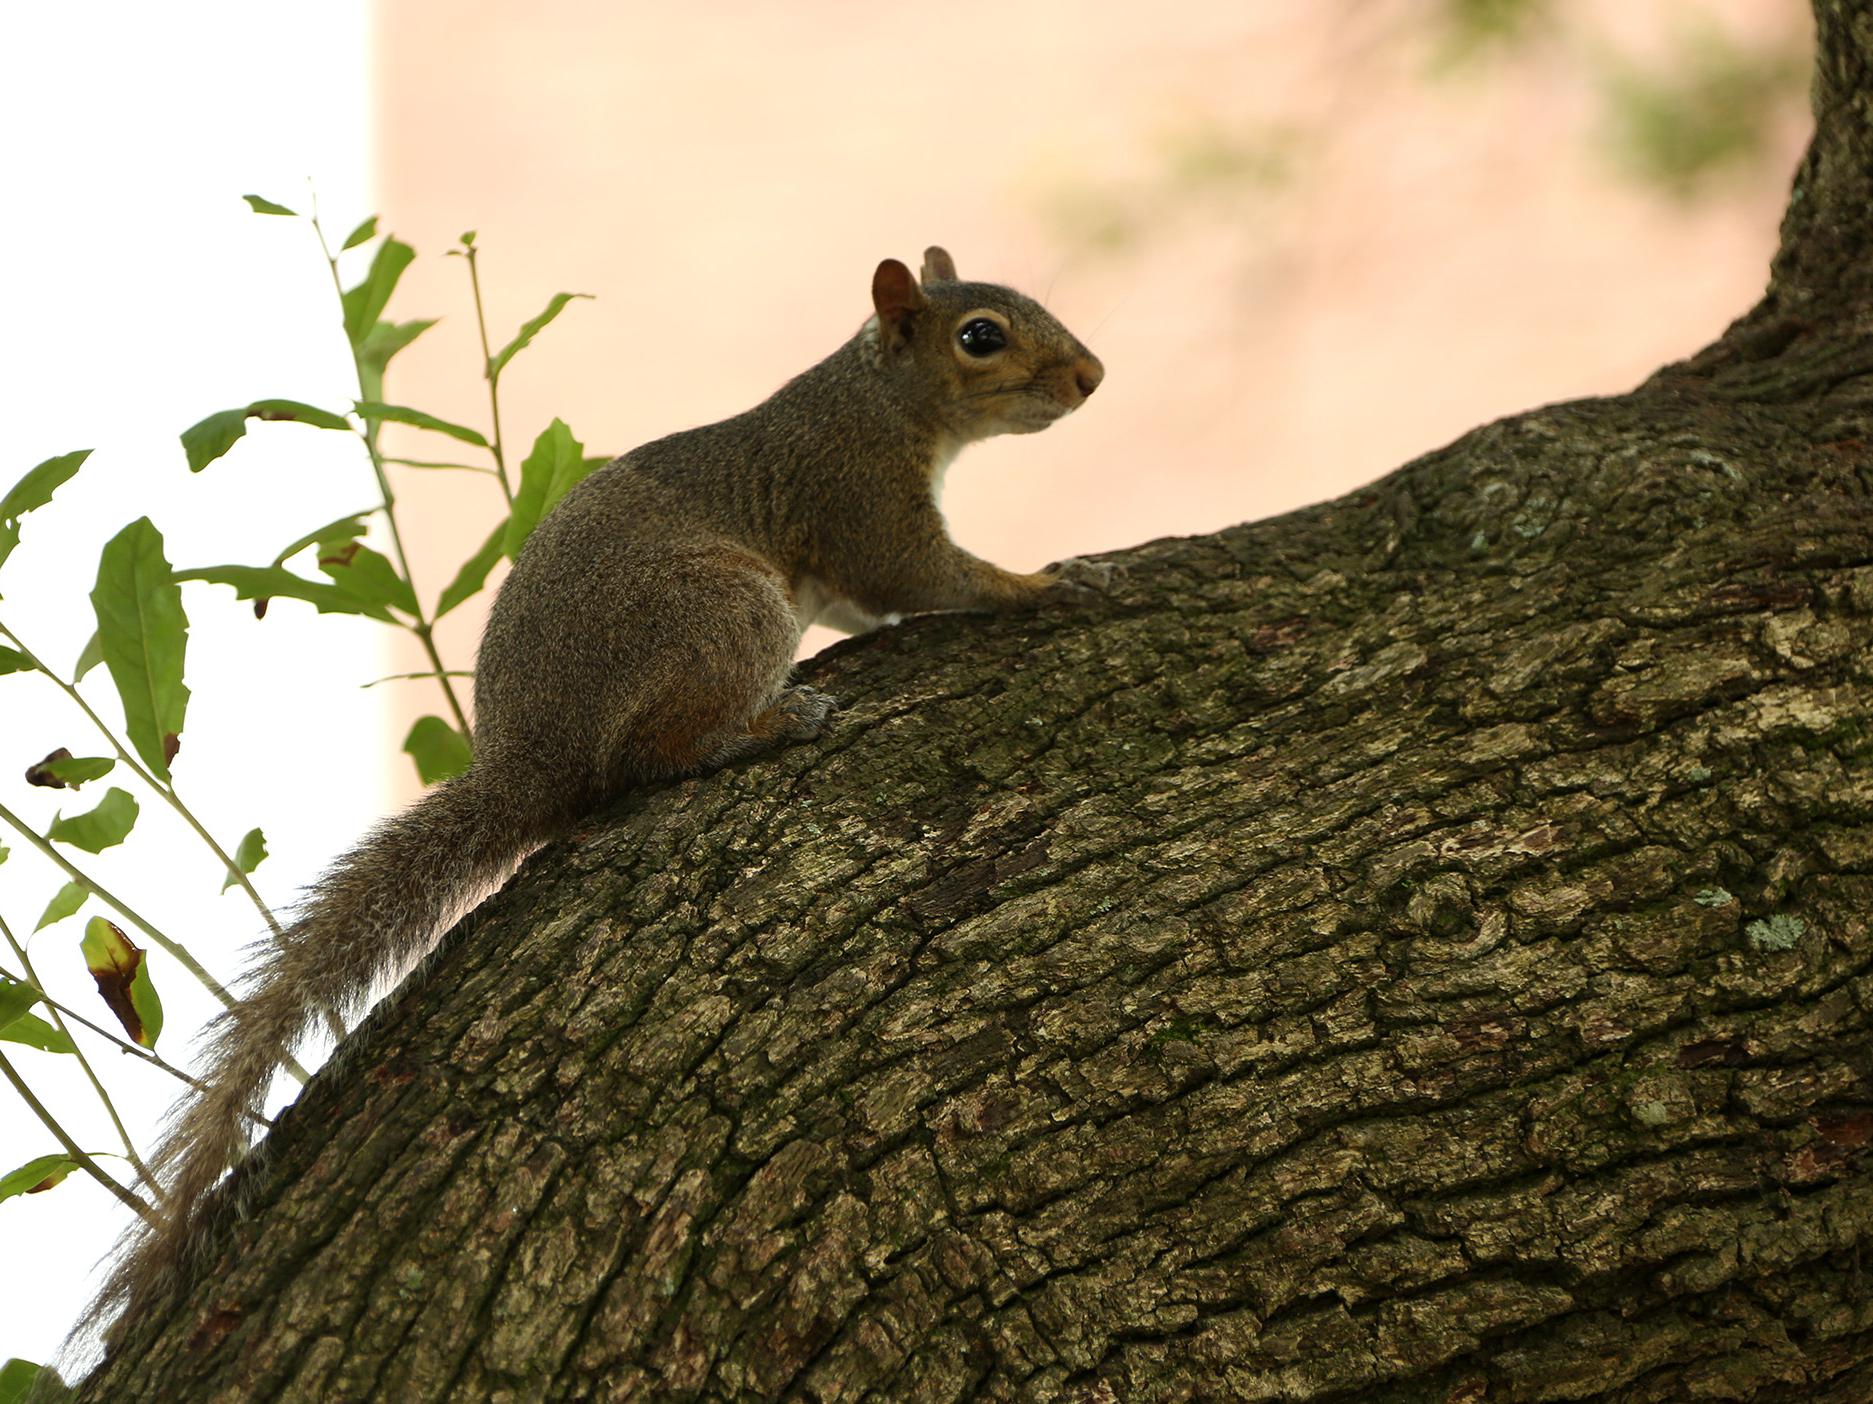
(648, 630)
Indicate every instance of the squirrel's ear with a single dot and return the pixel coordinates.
(897, 298)
(938, 266)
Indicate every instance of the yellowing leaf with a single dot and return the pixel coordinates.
(123, 979)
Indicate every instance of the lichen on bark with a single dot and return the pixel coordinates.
(1412, 949)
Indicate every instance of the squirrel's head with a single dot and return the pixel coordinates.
(980, 359)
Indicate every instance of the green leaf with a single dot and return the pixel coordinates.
(63, 771)
(37, 1175)
(16, 997)
(332, 534)
(35, 1032)
(439, 750)
(474, 572)
(262, 205)
(373, 410)
(272, 582)
(144, 635)
(34, 491)
(207, 440)
(384, 341)
(19, 1026)
(298, 413)
(529, 330)
(251, 853)
(65, 901)
(366, 230)
(18, 1378)
(468, 239)
(123, 979)
(365, 303)
(89, 657)
(99, 828)
(556, 464)
(368, 577)
(13, 661)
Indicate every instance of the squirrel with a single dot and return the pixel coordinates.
(648, 630)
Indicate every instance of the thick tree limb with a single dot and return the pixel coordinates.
(1413, 949)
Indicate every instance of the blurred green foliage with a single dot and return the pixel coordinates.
(1709, 113)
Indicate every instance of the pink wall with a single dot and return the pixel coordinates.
(1332, 259)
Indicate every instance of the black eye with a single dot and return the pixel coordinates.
(981, 337)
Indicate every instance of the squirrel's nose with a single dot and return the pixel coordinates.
(1087, 373)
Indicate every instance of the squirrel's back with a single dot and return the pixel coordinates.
(648, 629)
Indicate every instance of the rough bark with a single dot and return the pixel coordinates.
(1413, 949)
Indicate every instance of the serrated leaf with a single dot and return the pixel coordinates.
(548, 473)
(102, 827)
(36, 1175)
(208, 439)
(117, 965)
(333, 533)
(402, 414)
(251, 853)
(262, 205)
(144, 635)
(35, 1032)
(63, 771)
(474, 572)
(364, 304)
(439, 750)
(13, 661)
(89, 657)
(528, 330)
(67, 900)
(369, 577)
(384, 341)
(366, 230)
(272, 582)
(34, 491)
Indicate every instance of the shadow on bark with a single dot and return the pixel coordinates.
(1413, 949)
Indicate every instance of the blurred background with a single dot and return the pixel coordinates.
(1310, 242)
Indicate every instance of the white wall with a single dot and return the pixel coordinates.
(137, 294)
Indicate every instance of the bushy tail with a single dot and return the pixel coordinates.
(377, 911)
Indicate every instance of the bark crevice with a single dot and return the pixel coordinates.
(1412, 949)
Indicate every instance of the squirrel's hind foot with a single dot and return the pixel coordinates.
(798, 713)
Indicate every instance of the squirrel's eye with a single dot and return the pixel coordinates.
(981, 337)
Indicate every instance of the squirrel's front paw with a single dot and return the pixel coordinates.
(1079, 578)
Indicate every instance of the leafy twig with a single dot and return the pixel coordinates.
(80, 1158)
(58, 1019)
(175, 949)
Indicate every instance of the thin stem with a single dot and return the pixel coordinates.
(83, 1160)
(174, 949)
(167, 791)
(58, 1019)
(411, 677)
(490, 375)
(154, 1059)
(454, 467)
(421, 628)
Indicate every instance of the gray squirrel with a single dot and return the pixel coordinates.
(648, 630)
